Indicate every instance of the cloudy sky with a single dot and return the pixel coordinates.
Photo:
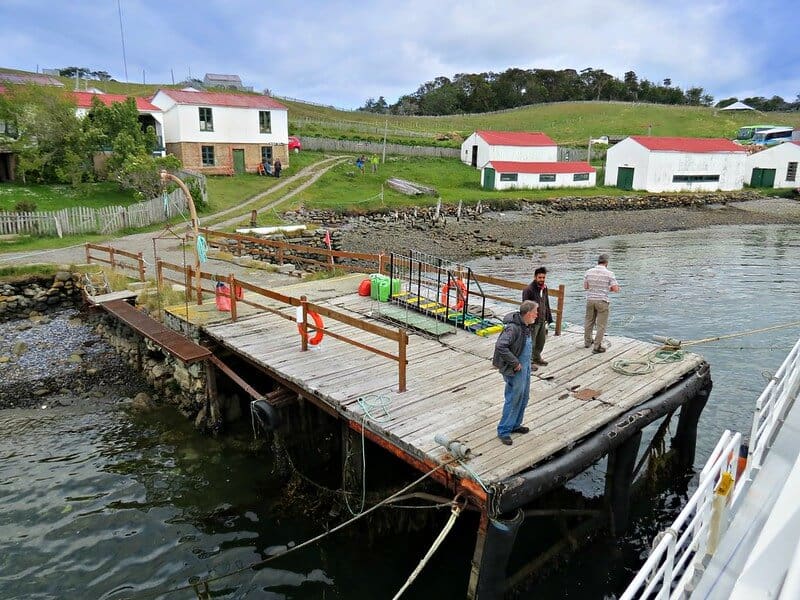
(342, 53)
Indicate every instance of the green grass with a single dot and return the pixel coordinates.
(344, 189)
(225, 192)
(56, 197)
(568, 123)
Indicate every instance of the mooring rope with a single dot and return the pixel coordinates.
(455, 511)
(740, 334)
(368, 404)
(385, 501)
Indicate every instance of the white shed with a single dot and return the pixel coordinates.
(775, 167)
(514, 146)
(509, 175)
(675, 164)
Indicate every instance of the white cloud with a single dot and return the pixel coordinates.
(342, 52)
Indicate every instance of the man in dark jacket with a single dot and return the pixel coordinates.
(512, 357)
(537, 291)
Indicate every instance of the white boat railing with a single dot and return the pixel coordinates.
(771, 408)
(682, 547)
(671, 564)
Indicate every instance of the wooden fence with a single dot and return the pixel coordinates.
(116, 259)
(81, 219)
(187, 274)
(279, 252)
(331, 145)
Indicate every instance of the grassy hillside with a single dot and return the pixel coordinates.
(568, 123)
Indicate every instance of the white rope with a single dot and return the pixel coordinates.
(454, 512)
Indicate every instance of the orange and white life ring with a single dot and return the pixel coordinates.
(461, 294)
(318, 324)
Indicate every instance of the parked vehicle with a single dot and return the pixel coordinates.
(771, 137)
(746, 133)
(294, 144)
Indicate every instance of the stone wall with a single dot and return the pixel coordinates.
(19, 298)
(177, 383)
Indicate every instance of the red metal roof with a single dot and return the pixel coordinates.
(687, 144)
(516, 138)
(223, 99)
(507, 166)
(84, 100)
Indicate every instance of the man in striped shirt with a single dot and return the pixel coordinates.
(597, 282)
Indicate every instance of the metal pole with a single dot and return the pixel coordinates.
(195, 227)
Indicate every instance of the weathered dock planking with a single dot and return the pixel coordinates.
(452, 387)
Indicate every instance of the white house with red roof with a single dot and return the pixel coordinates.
(218, 132)
(511, 146)
(509, 175)
(774, 167)
(149, 114)
(675, 164)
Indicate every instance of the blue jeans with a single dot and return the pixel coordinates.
(517, 394)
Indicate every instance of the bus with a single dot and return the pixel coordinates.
(746, 133)
(771, 137)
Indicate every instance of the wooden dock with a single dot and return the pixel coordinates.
(452, 387)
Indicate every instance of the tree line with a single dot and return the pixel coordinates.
(486, 92)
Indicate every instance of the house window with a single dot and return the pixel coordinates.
(580, 177)
(791, 171)
(547, 177)
(206, 120)
(266, 154)
(508, 176)
(8, 128)
(265, 121)
(693, 178)
(207, 154)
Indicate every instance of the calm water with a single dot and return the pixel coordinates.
(113, 505)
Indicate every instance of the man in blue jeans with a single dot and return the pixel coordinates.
(512, 357)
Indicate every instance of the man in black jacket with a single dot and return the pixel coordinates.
(512, 357)
(537, 291)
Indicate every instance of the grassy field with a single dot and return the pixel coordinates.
(345, 189)
(56, 197)
(568, 123)
(225, 192)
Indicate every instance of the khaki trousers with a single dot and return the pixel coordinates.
(596, 315)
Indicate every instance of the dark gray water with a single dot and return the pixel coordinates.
(108, 504)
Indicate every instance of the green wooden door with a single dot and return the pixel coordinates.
(625, 178)
(762, 178)
(238, 161)
(488, 178)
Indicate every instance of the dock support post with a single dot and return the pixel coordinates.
(619, 477)
(487, 579)
(685, 441)
(352, 466)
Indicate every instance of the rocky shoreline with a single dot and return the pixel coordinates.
(530, 226)
(58, 360)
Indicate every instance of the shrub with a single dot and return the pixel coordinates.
(25, 206)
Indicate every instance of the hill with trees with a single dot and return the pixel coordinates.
(513, 88)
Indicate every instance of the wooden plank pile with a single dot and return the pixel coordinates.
(410, 188)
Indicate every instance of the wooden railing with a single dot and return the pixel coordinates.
(187, 274)
(279, 250)
(558, 293)
(116, 259)
(377, 262)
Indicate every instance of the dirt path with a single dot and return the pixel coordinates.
(171, 249)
